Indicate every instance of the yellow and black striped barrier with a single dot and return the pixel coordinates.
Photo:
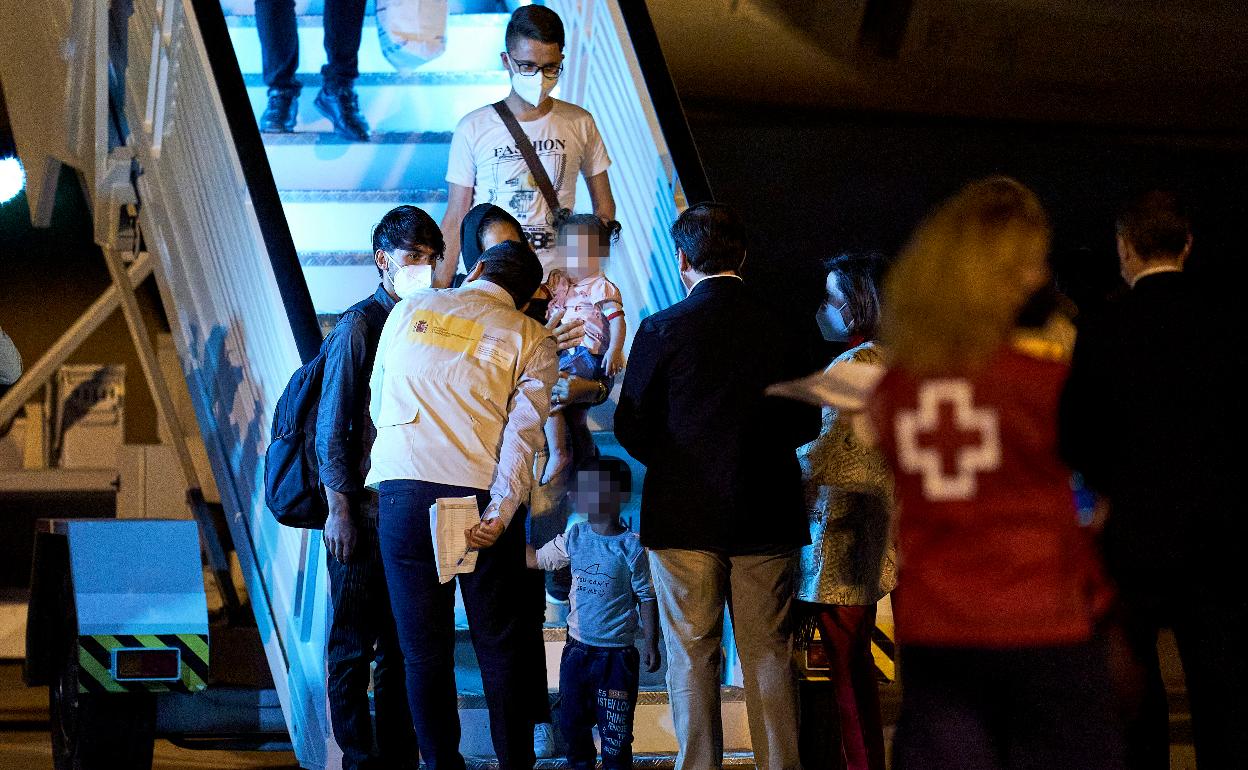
(116, 663)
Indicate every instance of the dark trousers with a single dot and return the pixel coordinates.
(1034, 707)
(535, 643)
(846, 635)
(598, 685)
(424, 613)
(1213, 646)
(361, 632)
(279, 42)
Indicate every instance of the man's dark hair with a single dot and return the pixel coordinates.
(515, 267)
(712, 237)
(859, 277)
(535, 22)
(613, 468)
(1156, 224)
(407, 227)
(496, 216)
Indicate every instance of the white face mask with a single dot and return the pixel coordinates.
(832, 322)
(409, 279)
(533, 89)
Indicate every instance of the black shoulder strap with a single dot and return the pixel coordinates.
(525, 146)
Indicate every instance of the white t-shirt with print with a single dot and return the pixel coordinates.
(484, 157)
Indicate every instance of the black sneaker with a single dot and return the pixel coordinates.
(341, 105)
(279, 115)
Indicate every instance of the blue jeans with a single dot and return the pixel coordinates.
(580, 362)
(598, 685)
(424, 614)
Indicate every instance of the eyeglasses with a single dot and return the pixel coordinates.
(528, 69)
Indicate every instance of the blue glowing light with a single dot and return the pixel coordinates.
(12, 178)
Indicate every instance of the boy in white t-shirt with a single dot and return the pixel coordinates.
(486, 167)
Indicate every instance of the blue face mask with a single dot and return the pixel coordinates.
(831, 320)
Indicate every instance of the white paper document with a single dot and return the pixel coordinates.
(449, 519)
(845, 385)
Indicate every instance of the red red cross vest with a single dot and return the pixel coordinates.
(991, 552)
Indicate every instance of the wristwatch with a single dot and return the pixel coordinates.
(603, 392)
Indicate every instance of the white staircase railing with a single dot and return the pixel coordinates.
(604, 76)
(231, 326)
(234, 335)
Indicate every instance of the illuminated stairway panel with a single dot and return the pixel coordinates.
(334, 191)
(470, 44)
(396, 160)
(398, 104)
(332, 220)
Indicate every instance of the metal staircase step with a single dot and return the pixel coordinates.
(336, 259)
(334, 289)
(393, 108)
(312, 160)
(342, 220)
(392, 78)
(473, 42)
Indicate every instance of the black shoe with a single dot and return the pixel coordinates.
(279, 116)
(342, 107)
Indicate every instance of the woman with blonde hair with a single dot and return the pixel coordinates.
(999, 588)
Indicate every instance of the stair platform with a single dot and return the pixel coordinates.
(653, 730)
(397, 108)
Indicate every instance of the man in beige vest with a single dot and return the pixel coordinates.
(460, 389)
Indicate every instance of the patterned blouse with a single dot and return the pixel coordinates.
(849, 504)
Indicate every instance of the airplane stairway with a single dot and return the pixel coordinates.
(333, 191)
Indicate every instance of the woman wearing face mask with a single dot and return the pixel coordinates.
(849, 565)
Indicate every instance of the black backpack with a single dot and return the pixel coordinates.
(292, 481)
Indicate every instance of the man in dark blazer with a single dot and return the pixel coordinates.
(721, 508)
(1150, 411)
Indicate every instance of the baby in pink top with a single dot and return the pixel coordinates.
(582, 292)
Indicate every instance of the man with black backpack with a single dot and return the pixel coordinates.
(406, 245)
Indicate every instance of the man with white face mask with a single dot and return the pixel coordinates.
(460, 390)
(486, 166)
(406, 245)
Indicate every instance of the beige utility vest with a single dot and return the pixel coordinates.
(447, 365)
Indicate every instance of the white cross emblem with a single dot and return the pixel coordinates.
(950, 440)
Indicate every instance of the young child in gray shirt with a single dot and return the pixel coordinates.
(600, 668)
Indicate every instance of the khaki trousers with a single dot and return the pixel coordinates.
(692, 589)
